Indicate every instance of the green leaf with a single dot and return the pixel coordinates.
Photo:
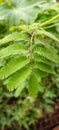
(46, 33)
(39, 58)
(40, 73)
(2, 62)
(33, 86)
(15, 11)
(19, 89)
(49, 101)
(48, 108)
(12, 66)
(41, 88)
(47, 45)
(16, 79)
(44, 67)
(38, 77)
(13, 49)
(50, 94)
(15, 36)
(47, 54)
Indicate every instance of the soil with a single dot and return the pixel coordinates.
(50, 123)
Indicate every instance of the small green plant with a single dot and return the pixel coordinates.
(26, 57)
(29, 63)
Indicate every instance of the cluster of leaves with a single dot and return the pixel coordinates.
(23, 111)
(26, 57)
(29, 60)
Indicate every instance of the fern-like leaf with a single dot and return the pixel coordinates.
(39, 58)
(33, 86)
(44, 67)
(12, 50)
(15, 36)
(19, 89)
(12, 66)
(46, 53)
(48, 34)
(16, 79)
(47, 45)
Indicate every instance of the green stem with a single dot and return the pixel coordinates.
(31, 41)
(49, 21)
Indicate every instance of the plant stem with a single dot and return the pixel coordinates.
(31, 41)
(49, 21)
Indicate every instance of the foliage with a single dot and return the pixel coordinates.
(25, 57)
(15, 11)
(29, 62)
(24, 110)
